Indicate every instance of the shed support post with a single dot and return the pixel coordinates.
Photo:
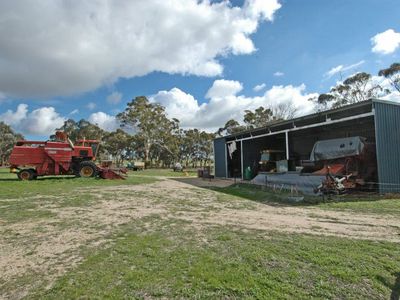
(226, 162)
(241, 159)
(287, 144)
(214, 159)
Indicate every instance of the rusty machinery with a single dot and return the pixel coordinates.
(349, 164)
(30, 159)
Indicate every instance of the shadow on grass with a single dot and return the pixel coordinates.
(395, 287)
(395, 295)
(268, 196)
(53, 178)
(249, 191)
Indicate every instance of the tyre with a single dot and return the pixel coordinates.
(26, 174)
(34, 174)
(87, 169)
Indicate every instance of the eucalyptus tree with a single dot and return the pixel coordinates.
(257, 118)
(82, 129)
(393, 74)
(8, 138)
(118, 143)
(356, 88)
(148, 121)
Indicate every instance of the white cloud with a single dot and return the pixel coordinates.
(259, 87)
(114, 98)
(178, 104)
(222, 88)
(91, 105)
(279, 74)
(342, 68)
(394, 96)
(225, 104)
(262, 8)
(74, 112)
(14, 118)
(42, 121)
(71, 47)
(104, 121)
(386, 42)
(385, 83)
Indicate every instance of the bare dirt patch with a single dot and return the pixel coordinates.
(45, 249)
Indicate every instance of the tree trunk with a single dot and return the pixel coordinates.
(146, 154)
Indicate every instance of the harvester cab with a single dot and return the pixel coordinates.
(87, 148)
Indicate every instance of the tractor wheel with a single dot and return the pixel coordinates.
(87, 169)
(25, 174)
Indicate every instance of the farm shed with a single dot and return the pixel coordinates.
(375, 120)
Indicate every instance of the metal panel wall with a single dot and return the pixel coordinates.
(387, 131)
(220, 157)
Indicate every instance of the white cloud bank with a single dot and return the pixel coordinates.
(55, 47)
(104, 121)
(225, 103)
(42, 121)
(386, 42)
(223, 88)
(45, 120)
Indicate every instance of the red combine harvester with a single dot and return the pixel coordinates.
(30, 159)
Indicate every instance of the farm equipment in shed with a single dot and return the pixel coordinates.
(30, 159)
(349, 164)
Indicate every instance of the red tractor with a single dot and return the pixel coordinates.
(30, 159)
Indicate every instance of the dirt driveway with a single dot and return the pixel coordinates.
(37, 251)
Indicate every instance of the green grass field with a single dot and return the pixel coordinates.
(147, 237)
(11, 187)
(374, 204)
(175, 263)
(166, 173)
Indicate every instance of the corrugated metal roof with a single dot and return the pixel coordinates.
(312, 118)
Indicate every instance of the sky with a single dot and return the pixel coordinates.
(205, 61)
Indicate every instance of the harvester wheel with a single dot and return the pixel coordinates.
(34, 174)
(87, 169)
(25, 174)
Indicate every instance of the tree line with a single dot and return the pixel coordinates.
(147, 134)
(359, 87)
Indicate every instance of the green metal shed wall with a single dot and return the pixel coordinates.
(387, 131)
(220, 157)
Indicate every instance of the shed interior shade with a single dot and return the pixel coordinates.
(376, 120)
